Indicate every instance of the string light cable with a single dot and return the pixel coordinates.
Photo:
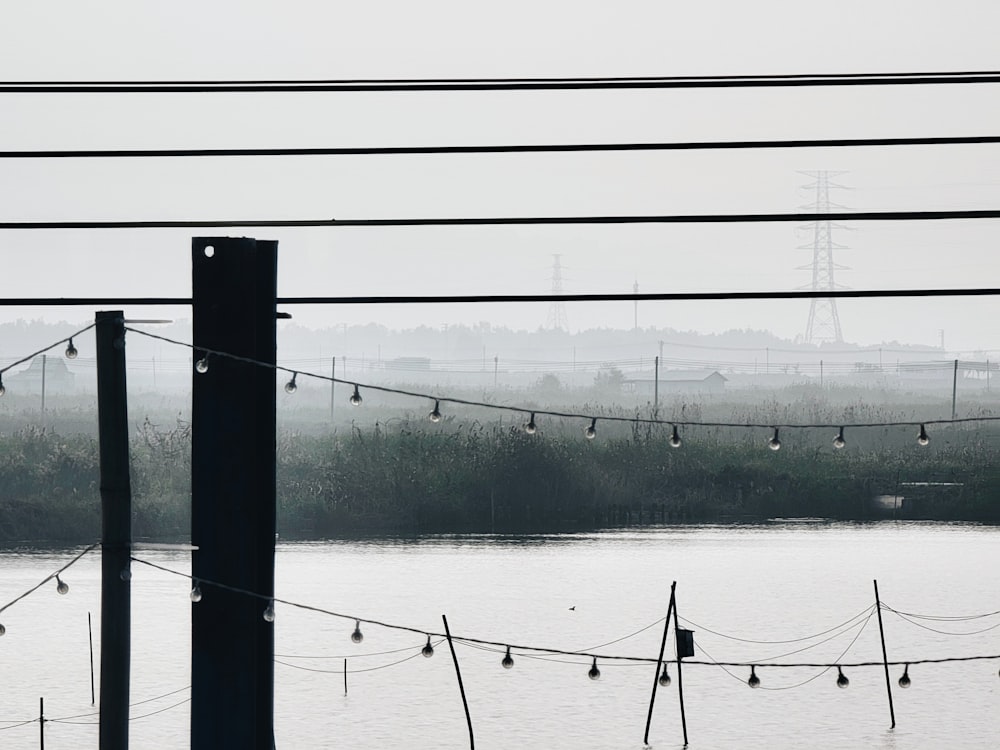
(863, 613)
(539, 650)
(826, 668)
(502, 84)
(526, 411)
(736, 218)
(71, 353)
(72, 719)
(62, 587)
(913, 621)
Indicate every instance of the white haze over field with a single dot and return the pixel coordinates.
(295, 40)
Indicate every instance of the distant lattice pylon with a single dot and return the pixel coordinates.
(557, 310)
(824, 322)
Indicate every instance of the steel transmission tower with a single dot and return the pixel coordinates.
(824, 323)
(557, 310)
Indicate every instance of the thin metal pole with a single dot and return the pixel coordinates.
(90, 635)
(41, 723)
(44, 360)
(680, 676)
(659, 663)
(821, 373)
(885, 659)
(461, 688)
(333, 384)
(116, 531)
(656, 385)
(954, 389)
(345, 676)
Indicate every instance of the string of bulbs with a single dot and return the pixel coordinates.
(858, 621)
(528, 651)
(590, 431)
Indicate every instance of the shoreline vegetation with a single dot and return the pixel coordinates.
(405, 476)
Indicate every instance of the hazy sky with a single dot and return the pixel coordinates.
(251, 40)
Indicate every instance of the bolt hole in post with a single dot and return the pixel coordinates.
(209, 251)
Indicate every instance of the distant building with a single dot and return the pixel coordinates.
(679, 381)
(58, 378)
(409, 364)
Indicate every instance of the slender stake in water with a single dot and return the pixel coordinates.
(885, 659)
(659, 663)
(461, 688)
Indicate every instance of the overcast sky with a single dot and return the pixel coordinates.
(251, 40)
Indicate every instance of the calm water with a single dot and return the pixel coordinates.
(774, 583)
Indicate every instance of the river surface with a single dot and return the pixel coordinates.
(769, 586)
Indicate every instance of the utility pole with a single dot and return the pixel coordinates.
(116, 531)
(824, 322)
(333, 385)
(635, 303)
(656, 386)
(233, 449)
(44, 362)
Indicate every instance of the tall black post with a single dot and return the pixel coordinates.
(116, 530)
(233, 492)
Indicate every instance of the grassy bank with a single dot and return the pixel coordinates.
(414, 477)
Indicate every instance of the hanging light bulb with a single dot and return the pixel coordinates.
(269, 612)
(838, 442)
(357, 636)
(435, 416)
(842, 681)
(508, 661)
(594, 673)
(664, 678)
(904, 681)
(774, 444)
(61, 586)
(531, 428)
(428, 650)
(591, 432)
(754, 680)
(2, 389)
(356, 396)
(290, 386)
(2, 629)
(195, 592)
(922, 438)
(675, 438)
(71, 351)
(202, 365)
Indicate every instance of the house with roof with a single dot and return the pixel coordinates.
(679, 381)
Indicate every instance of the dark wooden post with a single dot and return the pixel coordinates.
(116, 530)
(233, 493)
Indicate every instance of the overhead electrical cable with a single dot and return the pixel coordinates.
(499, 84)
(497, 149)
(742, 218)
(425, 299)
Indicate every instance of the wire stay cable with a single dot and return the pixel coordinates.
(470, 221)
(173, 153)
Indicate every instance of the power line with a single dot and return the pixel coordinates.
(508, 298)
(751, 218)
(500, 84)
(498, 149)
